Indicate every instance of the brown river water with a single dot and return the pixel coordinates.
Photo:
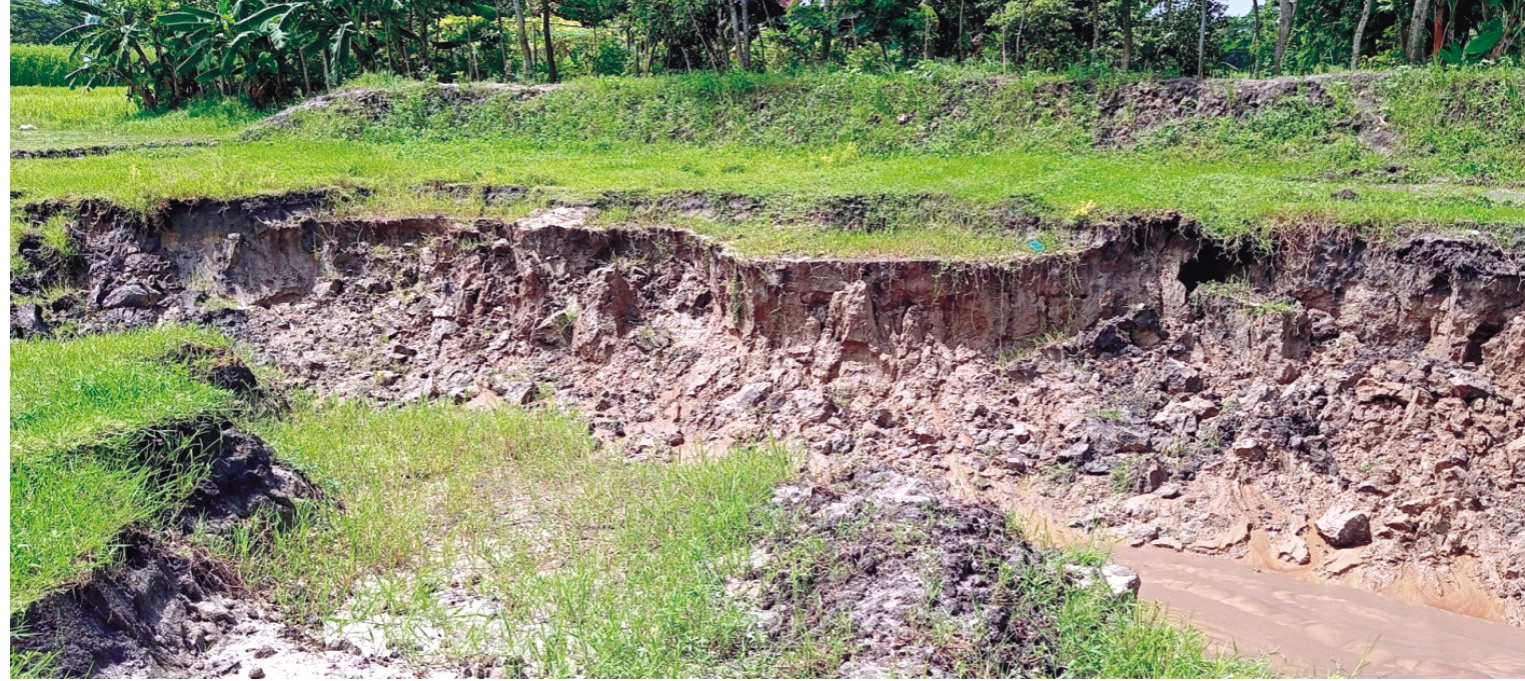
(1310, 629)
(1323, 629)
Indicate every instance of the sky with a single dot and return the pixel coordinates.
(1239, 8)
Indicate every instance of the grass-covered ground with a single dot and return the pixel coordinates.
(969, 137)
(600, 567)
(62, 117)
(83, 413)
(1232, 197)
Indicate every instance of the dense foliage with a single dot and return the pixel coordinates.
(39, 21)
(167, 51)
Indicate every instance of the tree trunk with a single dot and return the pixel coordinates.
(169, 69)
(1127, 20)
(1284, 11)
(1202, 40)
(1095, 29)
(1416, 30)
(961, 55)
(550, 49)
(1017, 47)
(1255, 41)
(746, 37)
(1438, 34)
(497, 11)
(723, 51)
(1355, 43)
(524, 40)
(1004, 26)
(306, 79)
(423, 43)
(828, 27)
(736, 32)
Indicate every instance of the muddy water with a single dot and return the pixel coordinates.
(1306, 629)
(1320, 629)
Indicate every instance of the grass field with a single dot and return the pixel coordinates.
(601, 567)
(66, 118)
(79, 411)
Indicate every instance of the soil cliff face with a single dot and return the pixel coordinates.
(1340, 410)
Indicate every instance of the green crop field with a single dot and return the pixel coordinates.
(61, 118)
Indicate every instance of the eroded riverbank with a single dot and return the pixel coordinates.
(1179, 392)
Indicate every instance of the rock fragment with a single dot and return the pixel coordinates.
(1344, 529)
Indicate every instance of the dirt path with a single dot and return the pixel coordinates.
(1319, 629)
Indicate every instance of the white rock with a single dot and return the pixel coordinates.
(1121, 580)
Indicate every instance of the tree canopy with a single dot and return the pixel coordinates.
(169, 50)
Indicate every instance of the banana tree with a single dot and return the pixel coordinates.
(338, 30)
(110, 47)
(243, 40)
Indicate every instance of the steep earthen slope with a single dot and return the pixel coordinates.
(1341, 410)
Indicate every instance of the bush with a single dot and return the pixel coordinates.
(41, 65)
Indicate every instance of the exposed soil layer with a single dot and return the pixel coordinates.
(155, 609)
(1341, 410)
(98, 149)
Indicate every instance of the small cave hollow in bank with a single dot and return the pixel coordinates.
(1212, 263)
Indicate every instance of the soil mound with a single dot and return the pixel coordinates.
(917, 584)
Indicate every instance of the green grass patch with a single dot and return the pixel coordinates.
(602, 567)
(1095, 634)
(77, 117)
(84, 460)
(94, 390)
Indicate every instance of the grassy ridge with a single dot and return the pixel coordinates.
(1448, 123)
(1232, 197)
(1453, 160)
(78, 412)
